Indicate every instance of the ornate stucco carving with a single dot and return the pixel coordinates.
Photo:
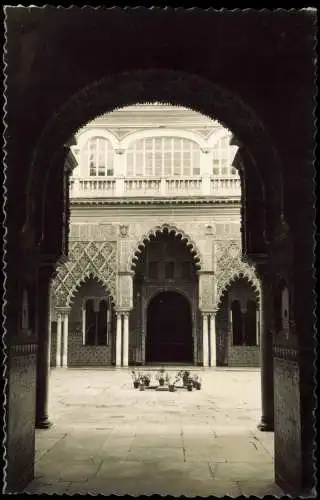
(97, 232)
(85, 258)
(230, 266)
(139, 246)
(206, 292)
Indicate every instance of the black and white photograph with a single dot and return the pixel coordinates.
(159, 213)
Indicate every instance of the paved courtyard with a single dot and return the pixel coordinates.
(110, 438)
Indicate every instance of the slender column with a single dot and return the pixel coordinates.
(258, 325)
(84, 325)
(205, 340)
(213, 347)
(44, 341)
(243, 327)
(58, 352)
(267, 417)
(125, 359)
(65, 340)
(118, 339)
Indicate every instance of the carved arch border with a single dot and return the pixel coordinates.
(66, 299)
(89, 273)
(239, 269)
(142, 243)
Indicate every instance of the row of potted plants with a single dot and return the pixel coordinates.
(143, 379)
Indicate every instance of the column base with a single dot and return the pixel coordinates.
(265, 426)
(43, 424)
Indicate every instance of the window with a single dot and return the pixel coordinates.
(169, 270)
(97, 322)
(153, 270)
(163, 157)
(186, 270)
(222, 158)
(97, 157)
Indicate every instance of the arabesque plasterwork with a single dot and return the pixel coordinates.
(86, 258)
(230, 265)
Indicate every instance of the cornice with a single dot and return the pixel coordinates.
(152, 201)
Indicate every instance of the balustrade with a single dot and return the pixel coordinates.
(151, 186)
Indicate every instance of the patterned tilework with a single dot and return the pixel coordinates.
(21, 409)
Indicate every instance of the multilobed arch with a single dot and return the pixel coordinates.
(237, 271)
(164, 229)
(81, 280)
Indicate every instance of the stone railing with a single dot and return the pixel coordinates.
(154, 187)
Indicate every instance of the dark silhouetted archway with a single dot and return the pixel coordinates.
(169, 329)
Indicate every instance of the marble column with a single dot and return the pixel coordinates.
(213, 346)
(65, 340)
(44, 343)
(58, 351)
(258, 325)
(205, 340)
(266, 360)
(118, 339)
(84, 325)
(125, 359)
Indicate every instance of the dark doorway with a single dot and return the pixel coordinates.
(169, 329)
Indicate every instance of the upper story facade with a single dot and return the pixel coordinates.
(154, 151)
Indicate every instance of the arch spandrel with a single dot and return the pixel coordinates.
(230, 266)
(140, 245)
(97, 259)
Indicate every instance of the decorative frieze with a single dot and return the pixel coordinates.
(285, 353)
(96, 232)
(24, 349)
(86, 258)
(231, 265)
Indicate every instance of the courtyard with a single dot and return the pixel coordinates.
(110, 438)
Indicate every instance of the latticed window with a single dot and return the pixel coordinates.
(163, 157)
(222, 158)
(97, 157)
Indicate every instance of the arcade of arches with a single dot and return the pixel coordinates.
(55, 87)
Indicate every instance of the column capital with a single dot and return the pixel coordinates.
(63, 310)
(122, 311)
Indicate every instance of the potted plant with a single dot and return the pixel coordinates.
(185, 377)
(141, 385)
(146, 377)
(161, 376)
(190, 384)
(171, 382)
(136, 379)
(198, 384)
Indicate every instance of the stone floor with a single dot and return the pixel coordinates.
(110, 438)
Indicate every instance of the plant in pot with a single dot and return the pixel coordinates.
(136, 379)
(141, 385)
(146, 378)
(171, 382)
(161, 376)
(198, 384)
(185, 375)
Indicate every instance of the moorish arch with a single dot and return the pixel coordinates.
(170, 86)
(168, 229)
(86, 259)
(232, 265)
